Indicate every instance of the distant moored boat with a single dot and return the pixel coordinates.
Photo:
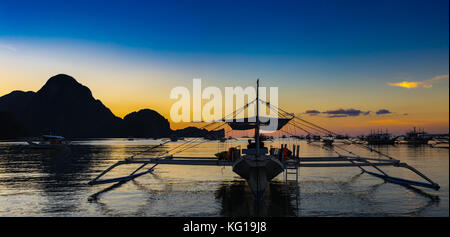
(48, 142)
(417, 137)
(380, 138)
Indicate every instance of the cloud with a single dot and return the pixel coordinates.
(339, 113)
(8, 47)
(342, 113)
(312, 112)
(337, 116)
(383, 111)
(415, 84)
(405, 84)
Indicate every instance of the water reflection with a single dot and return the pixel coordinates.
(237, 200)
(56, 176)
(433, 200)
(54, 183)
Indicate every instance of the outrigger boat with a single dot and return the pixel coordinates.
(380, 138)
(48, 142)
(258, 165)
(328, 141)
(417, 137)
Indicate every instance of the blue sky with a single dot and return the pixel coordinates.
(323, 55)
(237, 27)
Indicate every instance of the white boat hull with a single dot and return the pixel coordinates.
(46, 146)
(258, 172)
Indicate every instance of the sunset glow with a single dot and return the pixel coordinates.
(131, 65)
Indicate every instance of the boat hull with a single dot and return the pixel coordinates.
(258, 172)
(417, 142)
(46, 146)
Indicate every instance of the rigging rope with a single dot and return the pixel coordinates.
(326, 131)
(186, 146)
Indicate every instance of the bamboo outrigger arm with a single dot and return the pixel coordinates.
(133, 175)
(311, 162)
(396, 180)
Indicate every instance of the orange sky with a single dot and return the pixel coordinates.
(125, 86)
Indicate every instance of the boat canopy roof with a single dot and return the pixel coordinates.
(250, 123)
(51, 137)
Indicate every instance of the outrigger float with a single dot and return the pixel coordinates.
(258, 165)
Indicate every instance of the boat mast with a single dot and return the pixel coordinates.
(257, 119)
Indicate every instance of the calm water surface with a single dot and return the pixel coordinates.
(54, 183)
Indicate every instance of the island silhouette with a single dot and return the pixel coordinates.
(67, 108)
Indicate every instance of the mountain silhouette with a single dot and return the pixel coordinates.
(198, 132)
(62, 106)
(10, 127)
(65, 107)
(145, 123)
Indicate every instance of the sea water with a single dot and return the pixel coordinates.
(55, 183)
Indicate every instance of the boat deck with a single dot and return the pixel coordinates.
(333, 161)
